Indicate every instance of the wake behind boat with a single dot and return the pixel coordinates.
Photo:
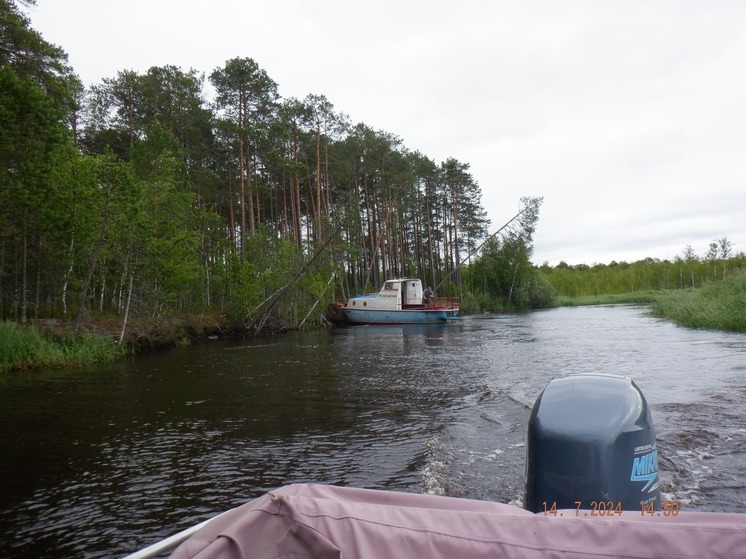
(592, 490)
(400, 301)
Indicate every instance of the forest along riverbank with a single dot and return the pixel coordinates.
(717, 306)
(103, 460)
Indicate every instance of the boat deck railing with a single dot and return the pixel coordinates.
(445, 301)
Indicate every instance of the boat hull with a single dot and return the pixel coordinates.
(405, 316)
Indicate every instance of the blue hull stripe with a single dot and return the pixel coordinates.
(355, 316)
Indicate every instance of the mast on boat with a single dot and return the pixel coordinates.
(507, 224)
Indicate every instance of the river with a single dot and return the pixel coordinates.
(103, 461)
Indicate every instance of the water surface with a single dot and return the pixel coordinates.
(100, 462)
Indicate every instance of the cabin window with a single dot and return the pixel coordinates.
(365, 303)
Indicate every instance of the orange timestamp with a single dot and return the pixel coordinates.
(596, 509)
(666, 508)
(607, 509)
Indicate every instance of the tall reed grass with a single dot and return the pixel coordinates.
(717, 306)
(26, 348)
(633, 298)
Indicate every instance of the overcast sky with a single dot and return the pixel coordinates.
(628, 117)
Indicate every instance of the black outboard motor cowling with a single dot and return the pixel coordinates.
(591, 445)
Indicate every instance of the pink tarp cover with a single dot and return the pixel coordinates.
(320, 521)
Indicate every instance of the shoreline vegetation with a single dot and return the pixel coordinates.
(58, 343)
(719, 305)
(716, 306)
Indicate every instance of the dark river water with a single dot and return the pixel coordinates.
(101, 462)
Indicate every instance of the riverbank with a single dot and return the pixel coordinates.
(634, 298)
(720, 305)
(58, 343)
(717, 306)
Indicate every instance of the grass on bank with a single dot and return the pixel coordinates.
(717, 306)
(57, 343)
(24, 347)
(635, 298)
(720, 305)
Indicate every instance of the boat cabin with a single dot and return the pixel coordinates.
(395, 294)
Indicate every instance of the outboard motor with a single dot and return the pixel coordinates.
(591, 445)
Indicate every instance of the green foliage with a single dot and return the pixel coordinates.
(535, 293)
(89, 349)
(163, 246)
(693, 292)
(140, 198)
(270, 265)
(26, 348)
(36, 97)
(503, 271)
(22, 348)
(718, 306)
(644, 275)
(633, 298)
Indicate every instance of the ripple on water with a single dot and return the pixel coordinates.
(104, 461)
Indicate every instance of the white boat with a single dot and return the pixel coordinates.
(400, 301)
